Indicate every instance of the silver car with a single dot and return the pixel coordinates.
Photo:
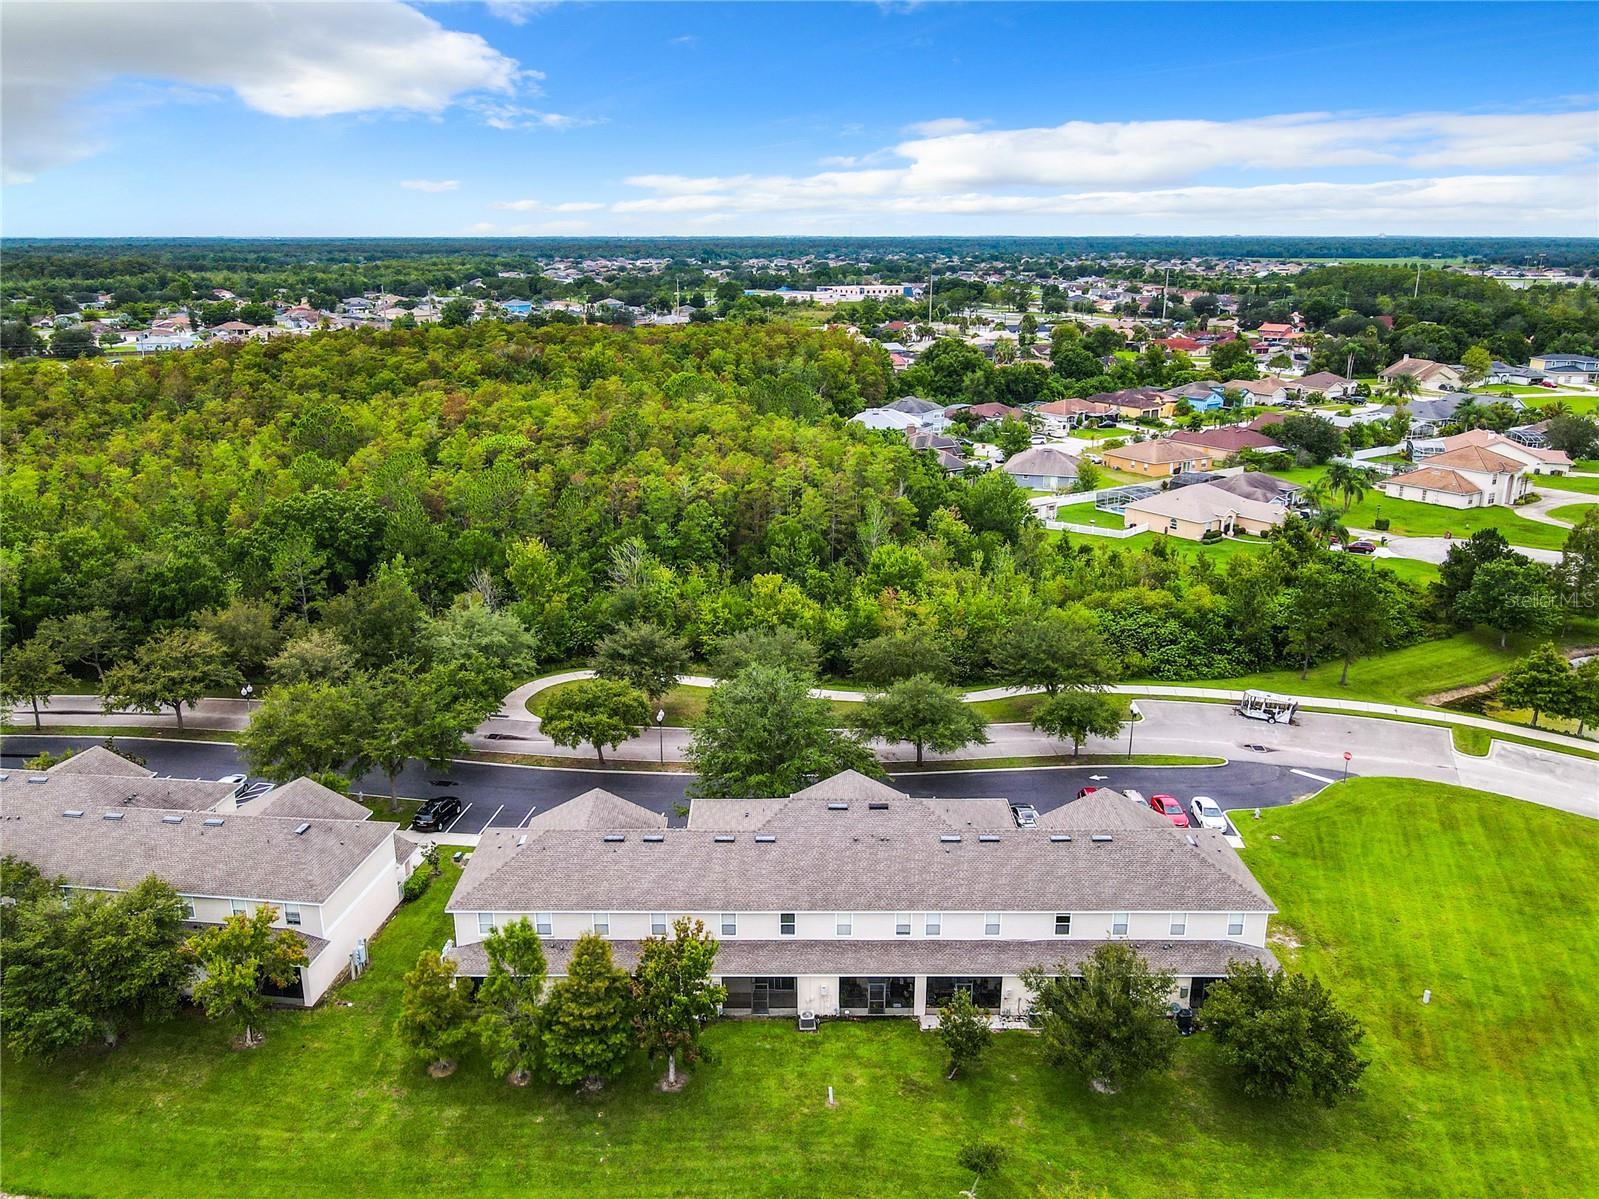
(1026, 815)
(1206, 814)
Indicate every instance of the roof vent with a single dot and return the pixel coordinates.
(1059, 837)
(949, 838)
(73, 813)
(614, 837)
(172, 819)
(765, 838)
(838, 807)
(880, 806)
(521, 841)
(302, 828)
(38, 778)
(111, 816)
(213, 821)
(988, 836)
(1193, 840)
(654, 838)
(1101, 837)
(724, 838)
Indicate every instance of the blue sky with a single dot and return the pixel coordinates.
(528, 118)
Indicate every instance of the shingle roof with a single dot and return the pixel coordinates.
(847, 785)
(813, 857)
(1228, 441)
(65, 789)
(923, 955)
(1206, 501)
(597, 808)
(97, 759)
(1161, 452)
(1257, 485)
(306, 798)
(1042, 460)
(250, 857)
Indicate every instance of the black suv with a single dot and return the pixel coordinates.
(435, 814)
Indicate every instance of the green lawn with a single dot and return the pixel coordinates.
(1410, 518)
(684, 704)
(1405, 676)
(1387, 888)
(1587, 486)
(1572, 512)
(1087, 514)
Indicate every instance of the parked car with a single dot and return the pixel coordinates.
(1026, 815)
(1168, 807)
(1082, 791)
(235, 779)
(1362, 547)
(1206, 814)
(435, 814)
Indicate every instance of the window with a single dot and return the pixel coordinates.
(1235, 924)
(902, 924)
(291, 913)
(542, 924)
(657, 924)
(785, 924)
(188, 907)
(844, 924)
(1179, 924)
(991, 924)
(1063, 924)
(729, 924)
(485, 922)
(934, 927)
(1118, 924)
(602, 924)
(239, 907)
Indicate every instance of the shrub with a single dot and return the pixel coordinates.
(1381, 524)
(416, 886)
(982, 1158)
(1210, 535)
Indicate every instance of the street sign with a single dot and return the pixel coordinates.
(1347, 755)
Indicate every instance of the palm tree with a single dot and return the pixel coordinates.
(1347, 480)
(1403, 386)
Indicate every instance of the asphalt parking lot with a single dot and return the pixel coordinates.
(506, 796)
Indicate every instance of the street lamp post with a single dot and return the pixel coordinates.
(246, 692)
(1133, 717)
(660, 731)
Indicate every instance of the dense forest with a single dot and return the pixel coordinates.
(580, 478)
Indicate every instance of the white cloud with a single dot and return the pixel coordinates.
(541, 206)
(430, 185)
(287, 60)
(499, 115)
(943, 127)
(517, 12)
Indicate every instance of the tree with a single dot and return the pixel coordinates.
(1578, 572)
(1110, 1024)
(1460, 566)
(237, 957)
(314, 656)
(456, 312)
(76, 341)
(1233, 360)
(1584, 699)
(435, 1014)
(314, 729)
(89, 638)
(1284, 1034)
(781, 647)
(598, 711)
(963, 1028)
(1061, 649)
(1475, 363)
(73, 968)
(673, 995)
(644, 656)
(1542, 681)
(923, 712)
(30, 672)
(1403, 386)
(247, 629)
(1511, 595)
(1315, 438)
(588, 1029)
(168, 671)
(1353, 608)
(1577, 435)
(763, 733)
(1348, 481)
(511, 1024)
(380, 620)
(1077, 716)
(891, 657)
(475, 631)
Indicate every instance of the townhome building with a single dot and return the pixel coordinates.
(852, 898)
(98, 822)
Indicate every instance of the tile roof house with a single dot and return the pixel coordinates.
(1437, 375)
(1538, 460)
(1468, 477)
(1257, 485)
(854, 898)
(333, 879)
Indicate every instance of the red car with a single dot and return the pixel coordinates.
(1168, 807)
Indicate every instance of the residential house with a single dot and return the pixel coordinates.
(1568, 370)
(1138, 402)
(1201, 396)
(1227, 441)
(1261, 487)
(1517, 376)
(930, 415)
(1043, 468)
(886, 418)
(1191, 512)
(1161, 458)
(1333, 387)
(1437, 375)
(1538, 460)
(852, 898)
(1059, 417)
(1469, 477)
(100, 823)
(1276, 334)
(981, 413)
(1270, 390)
(1429, 415)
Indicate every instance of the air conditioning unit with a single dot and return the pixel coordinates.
(807, 1021)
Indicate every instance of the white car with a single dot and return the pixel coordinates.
(233, 778)
(1206, 814)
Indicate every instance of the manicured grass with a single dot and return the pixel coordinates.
(1410, 518)
(1548, 483)
(1087, 514)
(1571, 512)
(1388, 888)
(1407, 676)
(684, 705)
(154, 732)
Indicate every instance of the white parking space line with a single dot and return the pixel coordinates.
(457, 819)
(495, 813)
(1320, 778)
(523, 823)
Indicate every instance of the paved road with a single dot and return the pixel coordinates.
(505, 796)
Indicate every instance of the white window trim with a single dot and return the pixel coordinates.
(1231, 923)
(601, 924)
(907, 924)
(238, 907)
(933, 924)
(996, 924)
(729, 918)
(1067, 917)
(293, 909)
(793, 924)
(1122, 918)
(843, 924)
(1177, 918)
(485, 923)
(544, 923)
(664, 924)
